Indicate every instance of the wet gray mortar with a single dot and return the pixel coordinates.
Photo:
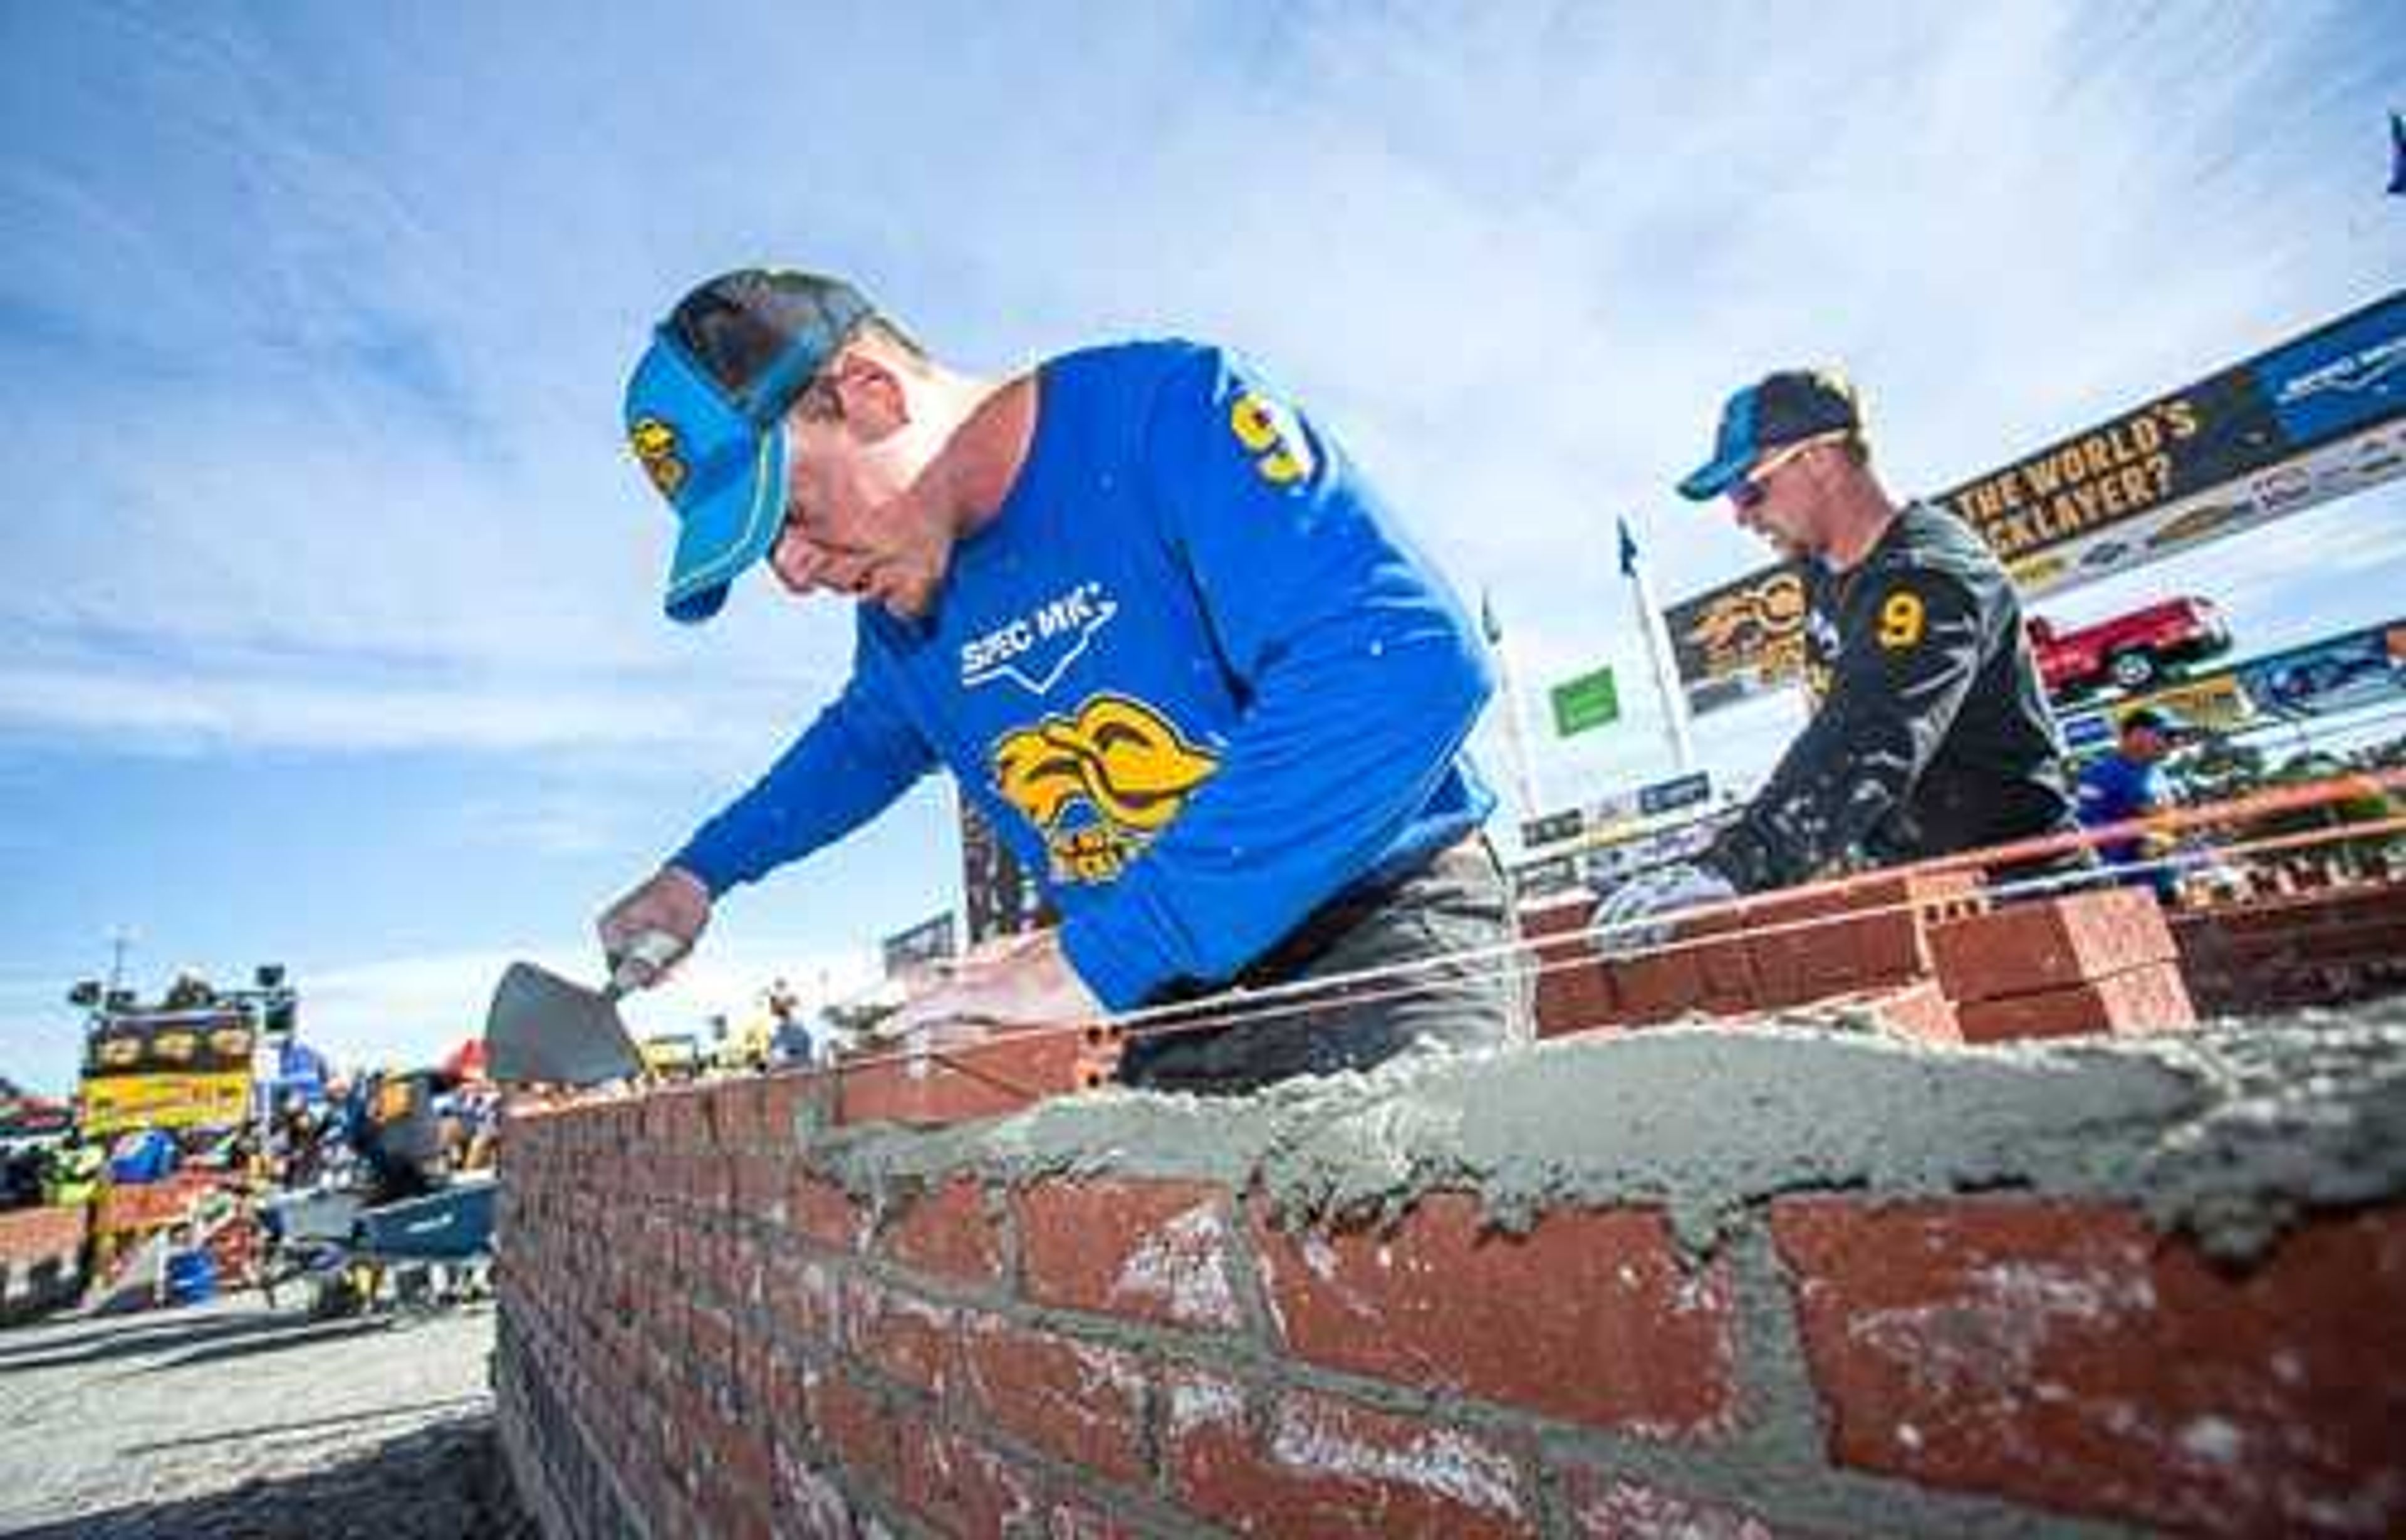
(2227, 1136)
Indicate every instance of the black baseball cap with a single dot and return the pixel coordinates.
(1780, 409)
(705, 415)
(2152, 720)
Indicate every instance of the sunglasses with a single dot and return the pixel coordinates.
(1747, 491)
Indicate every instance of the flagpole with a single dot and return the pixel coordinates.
(1673, 698)
(1516, 721)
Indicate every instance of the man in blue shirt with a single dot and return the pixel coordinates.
(2129, 782)
(1166, 637)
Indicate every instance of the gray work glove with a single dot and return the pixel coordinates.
(1622, 922)
(644, 933)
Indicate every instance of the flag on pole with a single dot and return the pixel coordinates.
(1658, 651)
(2398, 153)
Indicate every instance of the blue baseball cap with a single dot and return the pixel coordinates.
(706, 416)
(1783, 408)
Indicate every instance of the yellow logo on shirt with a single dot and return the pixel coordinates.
(1270, 435)
(1100, 783)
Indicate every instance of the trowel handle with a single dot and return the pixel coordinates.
(647, 955)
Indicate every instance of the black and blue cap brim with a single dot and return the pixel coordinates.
(1735, 446)
(722, 472)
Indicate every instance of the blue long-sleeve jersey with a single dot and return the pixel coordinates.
(1191, 672)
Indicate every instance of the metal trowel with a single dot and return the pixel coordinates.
(544, 1027)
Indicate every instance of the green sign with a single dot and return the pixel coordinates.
(1587, 701)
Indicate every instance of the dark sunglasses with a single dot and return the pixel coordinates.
(1747, 492)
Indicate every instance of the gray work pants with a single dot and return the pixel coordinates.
(1460, 901)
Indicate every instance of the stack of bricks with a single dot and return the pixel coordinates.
(2330, 947)
(1924, 956)
(699, 1335)
(41, 1252)
(2101, 961)
(1866, 943)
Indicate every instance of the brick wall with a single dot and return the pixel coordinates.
(2324, 946)
(1920, 956)
(40, 1259)
(1390, 1308)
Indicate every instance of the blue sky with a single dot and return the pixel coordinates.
(331, 634)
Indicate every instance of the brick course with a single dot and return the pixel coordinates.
(1103, 1351)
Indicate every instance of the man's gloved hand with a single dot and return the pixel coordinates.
(1618, 922)
(670, 902)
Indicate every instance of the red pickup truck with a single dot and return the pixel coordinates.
(2129, 651)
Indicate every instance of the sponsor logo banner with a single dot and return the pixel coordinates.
(1591, 700)
(114, 1103)
(2339, 673)
(2349, 373)
(2315, 419)
(193, 1042)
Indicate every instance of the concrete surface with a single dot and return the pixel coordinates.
(228, 1418)
(2222, 1134)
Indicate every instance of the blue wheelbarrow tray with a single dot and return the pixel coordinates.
(451, 1226)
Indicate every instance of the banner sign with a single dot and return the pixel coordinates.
(1682, 791)
(1591, 700)
(116, 1103)
(2337, 673)
(2317, 417)
(167, 1069)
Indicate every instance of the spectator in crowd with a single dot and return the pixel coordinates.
(2127, 783)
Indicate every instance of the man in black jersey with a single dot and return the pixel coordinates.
(1930, 732)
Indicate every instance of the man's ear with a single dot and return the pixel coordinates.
(872, 395)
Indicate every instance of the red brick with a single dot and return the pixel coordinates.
(946, 1232)
(856, 1424)
(964, 1488)
(1150, 1250)
(1574, 992)
(735, 1109)
(705, 1182)
(1655, 986)
(907, 1337)
(30, 1236)
(2064, 1354)
(710, 1336)
(1619, 1507)
(1320, 1466)
(790, 1101)
(2030, 948)
(2146, 999)
(827, 1213)
(802, 1295)
(1589, 1318)
(760, 1188)
(1926, 897)
(734, 1513)
(1919, 1012)
(1078, 1401)
(955, 1082)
